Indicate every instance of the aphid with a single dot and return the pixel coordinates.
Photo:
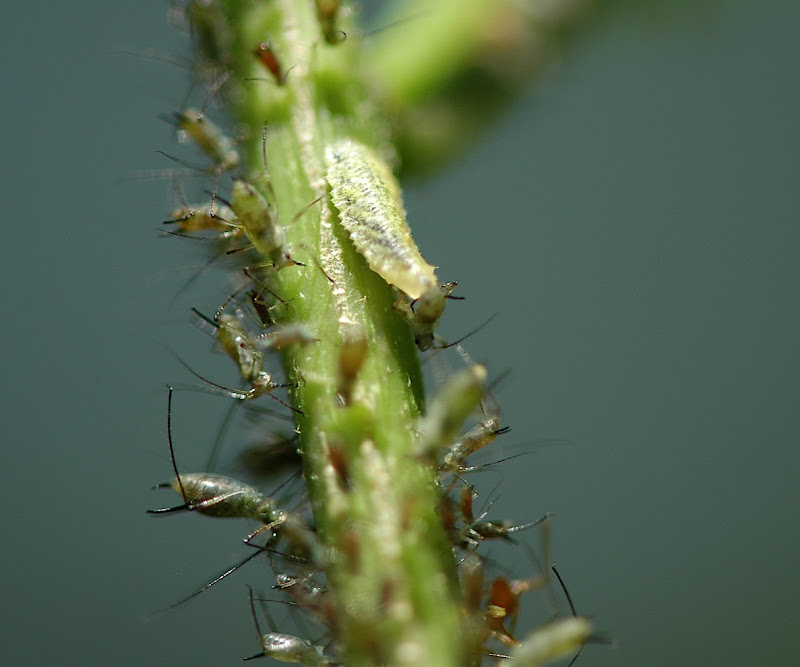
(476, 438)
(218, 495)
(262, 308)
(246, 354)
(471, 576)
(261, 226)
(478, 528)
(367, 196)
(504, 594)
(209, 29)
(286, 648)
(423, 314)
(192, 125)
(312, 596)
(268, 59)
(451, 405)
(552, 641)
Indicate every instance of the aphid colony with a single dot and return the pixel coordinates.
(462, 418)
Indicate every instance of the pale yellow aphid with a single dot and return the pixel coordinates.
(367, 196)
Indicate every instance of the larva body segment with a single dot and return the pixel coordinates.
(367, 197)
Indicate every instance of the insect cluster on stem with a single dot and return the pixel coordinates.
(263, 326)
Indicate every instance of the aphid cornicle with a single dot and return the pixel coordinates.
(370, 207)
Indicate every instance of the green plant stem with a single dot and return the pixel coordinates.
(389, 564)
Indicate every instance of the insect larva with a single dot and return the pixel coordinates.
(367, 197)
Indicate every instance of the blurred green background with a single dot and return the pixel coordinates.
(634, 220)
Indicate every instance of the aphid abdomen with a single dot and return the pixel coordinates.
(214, 495)
(259, 223)
(367, 197)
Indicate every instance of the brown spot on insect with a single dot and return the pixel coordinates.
(269, 60)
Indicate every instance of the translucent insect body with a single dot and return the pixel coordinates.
(218, 495)
(367, 197)
(286, 648)
(247, 349)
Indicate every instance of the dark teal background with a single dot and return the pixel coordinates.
(634, 220)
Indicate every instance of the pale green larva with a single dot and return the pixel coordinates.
(367, 197)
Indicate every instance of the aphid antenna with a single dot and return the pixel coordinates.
(259, 549)
(284, 484)
(224, 575)
(183, 235)
(543, 580)
(238, 394)
(160, 174)
(211, 92)
(289, 603)
(186, 504)
(503, 531)
(186, 164)
(483, 466)
(248, 271)
(205, 323)
(465, 336)
(262, 410)
(594, 639)
(499, 656)
(393, 24)
(195, 276)
(257, 624)
(215, 87)
(216, 197)
(264, 162)
(179, 193)
(221, 236)
(153, 55)
(220, 437)
(219, 81)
